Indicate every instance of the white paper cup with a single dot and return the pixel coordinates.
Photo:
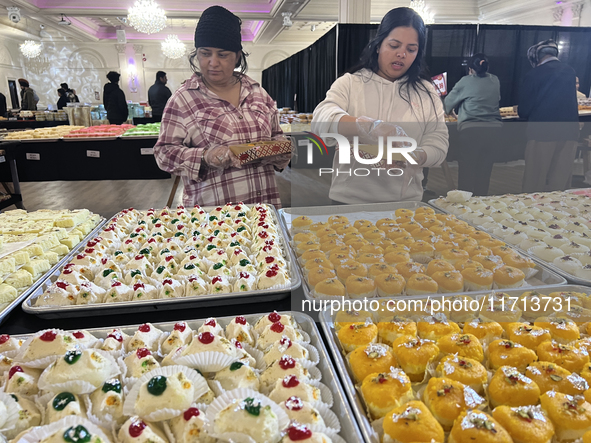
(39, 433)
(209, 361)
(11, 410)
(199, 383)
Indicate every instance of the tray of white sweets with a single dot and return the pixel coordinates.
(397, 249)
(553, 228)
(258, 378)
(170, 259)
(37, 244)
(489, 366)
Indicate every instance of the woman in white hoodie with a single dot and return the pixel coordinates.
(388, 94)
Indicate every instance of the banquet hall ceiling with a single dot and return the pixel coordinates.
(262, 19)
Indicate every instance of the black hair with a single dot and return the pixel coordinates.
(413, 79)
(160, 74)
(241, 63)
(479, 63)
(61, 91)
(113, 76)
(64, 86)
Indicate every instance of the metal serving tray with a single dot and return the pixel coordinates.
(232, 298)
(374, 212)
(31, 289)
(369, 434)
(550, 266)
(349, 430)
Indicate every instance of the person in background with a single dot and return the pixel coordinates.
(216, 107)
(3, 108)
(70, 93)
(158, 95)
(28, 102)
(548, 101)
(580, 95)
(114, 100)
(63, 98)
(387, 94)
(477, 96)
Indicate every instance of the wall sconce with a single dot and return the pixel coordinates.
(132, 74)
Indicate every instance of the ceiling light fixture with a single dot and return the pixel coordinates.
(287, 19)
(173, 47)
(31, 49)
(147, 17)
(421, 8)
(64, 21)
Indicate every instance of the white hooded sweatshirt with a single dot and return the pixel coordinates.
(367, 94)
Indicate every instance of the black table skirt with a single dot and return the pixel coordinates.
(30, 124)
(120, 159)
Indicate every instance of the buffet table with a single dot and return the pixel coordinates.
(30, 124)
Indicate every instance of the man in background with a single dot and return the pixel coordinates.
(548, 101)
(158, 95)
(28, 102)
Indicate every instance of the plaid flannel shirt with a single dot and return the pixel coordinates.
(196, 119)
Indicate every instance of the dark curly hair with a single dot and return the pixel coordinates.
(113, 76)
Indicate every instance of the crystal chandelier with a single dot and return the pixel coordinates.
(147, 17)
(31, 49)
(172, 47)
(421, 8)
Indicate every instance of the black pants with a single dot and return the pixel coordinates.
(476, 158)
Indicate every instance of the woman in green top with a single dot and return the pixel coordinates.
(476, 96)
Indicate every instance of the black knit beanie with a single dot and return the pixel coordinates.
(218, 28)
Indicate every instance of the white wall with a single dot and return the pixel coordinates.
(84, 67)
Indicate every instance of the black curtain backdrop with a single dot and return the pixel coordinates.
(300, 82)
(310, 72)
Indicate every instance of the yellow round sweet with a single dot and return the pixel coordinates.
(510, 387)
(319, 274)
(571, 416)
(385, 391)
(396, 248)
(464, 345)
(466, 263)
(525, 424)
(527, 335)
(533, 305)
(439, 265)
(390, 284)
(464, 370)
(490, 262)
(454, 255)
(551, 377)
(331, 287)
(362, 222)
(370, 259)
(395, 257)
(446, 400)
(360, 287)
(518, 261)
(314, 227)
(421, 233)
(379, 269)
(345, 318)
(435, 327)
(371, 248)
(508, 277)
(357, 335)
(347, 269)
(395, 233)
(385, 221)
(408, 269)
(337, 219)
(483, 329)
(369, 359)
(502, 250)
(477, 426)
(336, 258)
(478, 250)
(569, 357)
(562, 330)
(413, 355)
(480, 235)
(449, 281)
(389, 331)
(477, 278)
(408, 240)
(346, 229)
(508, 353)
(421, 284)
(491, 243)
(301, 223)
(312, 254)
(318, 262)
(412, 422)
(303, 237)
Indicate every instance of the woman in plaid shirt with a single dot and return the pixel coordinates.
(215, 108)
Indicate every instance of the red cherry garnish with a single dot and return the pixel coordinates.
(193, 257)
(48, 336)
(144, 328)
(180, 227)
(238, 251)
(268, 248)
(139, 257)
(263, 234)
(294, 403)
(80, 256)
(151, 240)
(243, 275)
(278, 327)
(240, 320)
(300, 432)
(14, 370)
(287, 362)
(206, 337)
(181, 326)
(274, 317)
(142, 352)
(215, 280)
(169, 258)
(291, 381)
(136, 428)
(4, 338)
(190, 413)
(192, 279)
(89, 250)
(62, 285)
(271, 273)
(128, 242)
(269, 260)
(138, 286)
(92, 243)
(68, 271)
(79, 335)
(116, 335)
(221, 252)
(211, 322)
(104, 260)
(285, 341)
(116, 283)
(237, 344)
(167, 281)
